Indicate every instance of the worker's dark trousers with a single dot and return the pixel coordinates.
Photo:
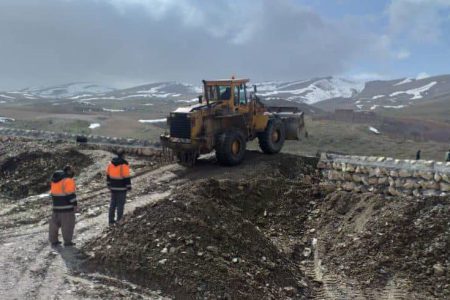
(118, 199)
(65, 221)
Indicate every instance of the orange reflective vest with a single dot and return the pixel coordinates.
(118, 172)
(118, 176)
(63, 194)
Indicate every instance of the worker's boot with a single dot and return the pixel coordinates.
(56, 244)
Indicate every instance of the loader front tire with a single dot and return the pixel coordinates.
(272, 139)
(230, 148)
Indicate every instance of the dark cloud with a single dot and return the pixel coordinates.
(128, 41)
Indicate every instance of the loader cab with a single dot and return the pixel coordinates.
(230, 94)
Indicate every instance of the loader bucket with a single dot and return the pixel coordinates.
(293, 120)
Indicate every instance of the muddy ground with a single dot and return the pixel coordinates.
(262, 230)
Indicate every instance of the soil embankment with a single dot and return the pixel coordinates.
(266, 229)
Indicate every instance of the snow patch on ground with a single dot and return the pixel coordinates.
(94, 125)
(377, 97)
(374, 107)
(422, 75)
(394, 106)
(98, 98)
(6, 120)
(112, 110)
(189, 101)
(81, 96)
(319, 90)
(406, 80)
(68, 90)
(153, 121)
(374, 130)
(417, 92)
(7, 97)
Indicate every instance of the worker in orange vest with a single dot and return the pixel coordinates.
(62, 191)
(119, 182)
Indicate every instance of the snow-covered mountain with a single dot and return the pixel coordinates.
(393, 94)
(310, 91)
(68, 90)
(163, 90)
(327, 93)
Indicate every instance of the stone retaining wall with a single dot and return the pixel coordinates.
(386, 175)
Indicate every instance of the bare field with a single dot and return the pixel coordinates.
(323, 135)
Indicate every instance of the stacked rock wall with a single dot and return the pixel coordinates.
(386, 175)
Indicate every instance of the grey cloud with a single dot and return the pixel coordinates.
(418, 20)
(130, 41)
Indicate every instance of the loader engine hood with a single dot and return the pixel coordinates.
(195, 107)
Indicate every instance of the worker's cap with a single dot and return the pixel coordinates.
(120, 152)
(67, 168)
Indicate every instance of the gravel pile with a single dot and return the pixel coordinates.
(215, 239)
(26, 167)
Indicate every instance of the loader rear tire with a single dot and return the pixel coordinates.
(230, 148)
(272, 139)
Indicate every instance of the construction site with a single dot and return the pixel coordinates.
(274, 227)
(251, 149)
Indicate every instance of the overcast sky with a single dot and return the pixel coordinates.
(125, 42)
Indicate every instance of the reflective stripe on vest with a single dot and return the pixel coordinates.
(63, 207)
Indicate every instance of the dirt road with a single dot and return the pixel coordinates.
(31, 269)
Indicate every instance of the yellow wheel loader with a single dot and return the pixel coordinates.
(225, 119)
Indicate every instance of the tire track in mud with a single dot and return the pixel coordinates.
(333, 287)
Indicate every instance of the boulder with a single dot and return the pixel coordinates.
(378, 172)
(425, 175)
(410, 184)
(393, 191)
(425, 184)
(348, 186)
(372, 172)
(393, 173)
(437, 177)
(373, 181)
(391, 181)
(349, 168)
(356, 178)
(404, 173)
(347, 176)
(335, 175)
(321, 165)
(382, 180)
(445, 187)
(430, 193)
(445, 177)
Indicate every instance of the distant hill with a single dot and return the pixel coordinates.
(325, 93)
(396, 94)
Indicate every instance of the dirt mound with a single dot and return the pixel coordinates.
(26, 167)
(213, 239)
(375, 240)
